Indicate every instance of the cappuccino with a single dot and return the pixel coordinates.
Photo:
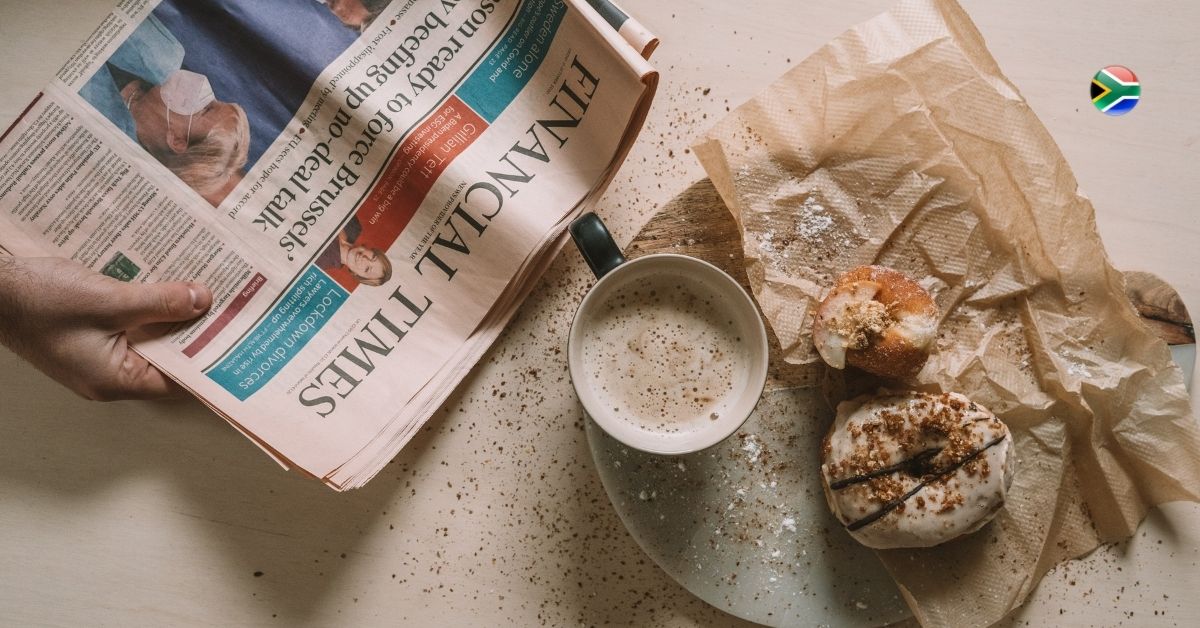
(663, 352)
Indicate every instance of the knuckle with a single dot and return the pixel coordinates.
(166, 302)
(173, 301)
(106, 388)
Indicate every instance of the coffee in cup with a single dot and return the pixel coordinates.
(661, 353)
(667, 352)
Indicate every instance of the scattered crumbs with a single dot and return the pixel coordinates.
(752, 448)
(807, 230)
(517, 460)
(812, 220)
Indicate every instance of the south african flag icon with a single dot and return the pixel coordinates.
(1116, 90)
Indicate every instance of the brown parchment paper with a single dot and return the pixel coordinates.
(901, 143)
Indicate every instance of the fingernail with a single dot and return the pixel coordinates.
(201, 297)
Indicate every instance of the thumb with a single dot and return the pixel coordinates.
(168, 302)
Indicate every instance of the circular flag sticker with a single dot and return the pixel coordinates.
(1116, 90)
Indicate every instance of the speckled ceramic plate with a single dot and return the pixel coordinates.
(744, 525)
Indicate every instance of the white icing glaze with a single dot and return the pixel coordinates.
(919, 329)
(829, 343)
(914, 525)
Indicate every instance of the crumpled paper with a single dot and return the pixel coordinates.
(901, 143)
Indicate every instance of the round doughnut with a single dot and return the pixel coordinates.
(877, 319)
(915, 469)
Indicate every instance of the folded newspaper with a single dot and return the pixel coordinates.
(369, 188)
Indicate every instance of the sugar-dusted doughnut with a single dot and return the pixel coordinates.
(915, 469)
(877, 319)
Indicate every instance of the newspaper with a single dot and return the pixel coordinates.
(368, 188)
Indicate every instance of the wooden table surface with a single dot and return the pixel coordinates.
(132, 514)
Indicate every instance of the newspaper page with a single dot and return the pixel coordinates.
(368, 188)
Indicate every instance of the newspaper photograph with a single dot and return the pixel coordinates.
(368, 188)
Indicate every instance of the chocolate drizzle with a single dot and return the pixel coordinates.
(895, 503)
(913, 465)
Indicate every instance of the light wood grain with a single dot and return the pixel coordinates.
(137, 514)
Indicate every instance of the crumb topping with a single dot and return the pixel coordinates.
(929, 438)
(861, 322)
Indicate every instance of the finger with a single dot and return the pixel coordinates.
(145, 304)
(127, 376)
(138, 379)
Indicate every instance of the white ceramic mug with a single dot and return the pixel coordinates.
(613, 272)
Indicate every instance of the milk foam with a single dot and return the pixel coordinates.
(660, 353)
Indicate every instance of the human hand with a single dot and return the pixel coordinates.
(74, 325)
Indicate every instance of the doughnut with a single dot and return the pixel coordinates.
(915, 469)
(878, 320)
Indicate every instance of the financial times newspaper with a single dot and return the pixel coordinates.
(368, 188)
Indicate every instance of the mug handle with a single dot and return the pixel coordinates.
(595, 244)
